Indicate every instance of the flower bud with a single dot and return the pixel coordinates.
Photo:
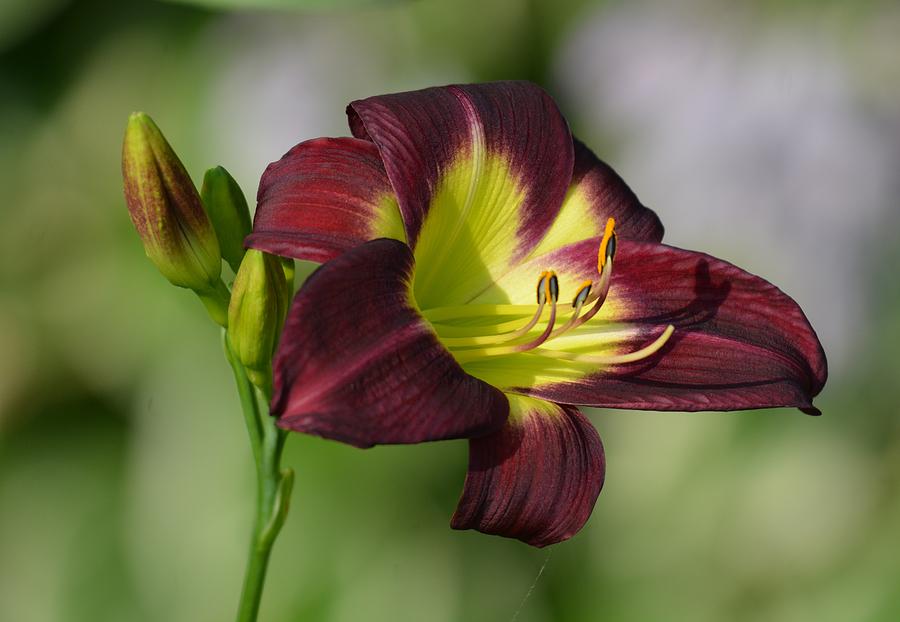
(259, 303)
(227, 209)
(166, 210)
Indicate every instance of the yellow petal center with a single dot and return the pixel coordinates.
(477, 334)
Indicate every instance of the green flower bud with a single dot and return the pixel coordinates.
(166, 210)
(259, 303)
(227, 209)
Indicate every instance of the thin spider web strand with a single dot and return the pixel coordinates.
(531, 589)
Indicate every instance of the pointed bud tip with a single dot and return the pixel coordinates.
(141, 123)
(139, 117)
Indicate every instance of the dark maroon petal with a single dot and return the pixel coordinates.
(610, 196)
(322, 198)
(537, 478)
(420, 134)
(356, 362)
(739, 341)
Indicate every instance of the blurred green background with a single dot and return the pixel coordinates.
(767, 133)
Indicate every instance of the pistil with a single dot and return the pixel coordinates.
(614, 359)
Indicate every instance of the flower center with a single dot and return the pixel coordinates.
(499, 329)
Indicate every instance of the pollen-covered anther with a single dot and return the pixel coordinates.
(583, 292)
(552, 285)
(546, 287)
(607, 248)
(605, 256)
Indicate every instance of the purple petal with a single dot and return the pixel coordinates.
(421, 134)
(610, 197)
(356, 363)
(322, 198)
(537, 478)
(739, 341)
(596, 194)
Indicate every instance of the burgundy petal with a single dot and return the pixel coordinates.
(609, 196)
(420, 134)
(322, 198)
(356, 362)
(537, 478)
(739, 341)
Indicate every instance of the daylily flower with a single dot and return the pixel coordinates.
(485, 273)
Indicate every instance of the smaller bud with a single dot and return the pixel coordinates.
(227, 209)
(259, 302)
(166, 210)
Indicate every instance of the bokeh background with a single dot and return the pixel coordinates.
(767, 133)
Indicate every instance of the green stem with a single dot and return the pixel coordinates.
(273, 486)
(249, 405)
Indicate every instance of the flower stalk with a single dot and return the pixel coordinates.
(187, 237)
(256, 314)
(274, 486)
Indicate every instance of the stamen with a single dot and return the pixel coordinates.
(602, 293)
(547, 287)
(551, 291)
(553, 294)
(607, 245)
(614, 359)
(503, 338)
(553, 287)
(582, 295)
